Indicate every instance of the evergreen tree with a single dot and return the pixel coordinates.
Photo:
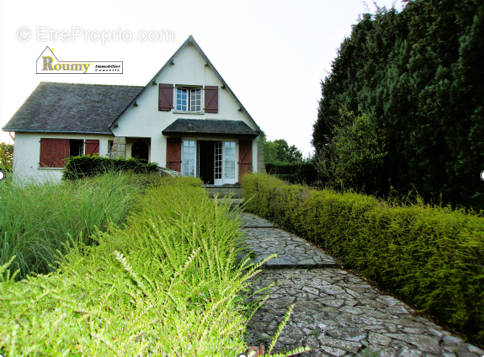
(417, 75)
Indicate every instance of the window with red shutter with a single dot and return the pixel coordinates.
(53, 152)
(173, 154)
(245, 157)
(211, 99)
(165, 97)
(92, 147)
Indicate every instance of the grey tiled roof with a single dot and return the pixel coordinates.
(72, 108)
(209, 127)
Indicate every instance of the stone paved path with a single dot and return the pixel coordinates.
(336, 313)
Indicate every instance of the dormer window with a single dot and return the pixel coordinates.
(189, 99)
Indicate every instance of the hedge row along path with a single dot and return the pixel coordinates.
(336, 313)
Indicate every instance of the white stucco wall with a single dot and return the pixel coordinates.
(26, 155)
(145, 120)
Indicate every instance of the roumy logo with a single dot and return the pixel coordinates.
(48, 63)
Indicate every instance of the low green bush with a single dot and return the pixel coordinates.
(88, 165)
(167, 284)
(38, 221)
(299, 172)
(430, 256)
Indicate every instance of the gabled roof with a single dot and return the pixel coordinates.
(89, 108)
(72, 108)
(209, 127)
(191, 41)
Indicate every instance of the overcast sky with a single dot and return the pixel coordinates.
(273, 54)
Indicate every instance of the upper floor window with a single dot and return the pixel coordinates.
(189, 99)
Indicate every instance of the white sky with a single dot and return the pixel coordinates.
(273, 54)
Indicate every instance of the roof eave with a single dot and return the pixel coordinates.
(211, 134)
(51, 131)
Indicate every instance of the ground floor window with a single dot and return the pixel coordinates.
(76, 148)
(55, 152)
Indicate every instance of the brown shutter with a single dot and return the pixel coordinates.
(173, 154)
(165, 97)
(53, 152)
(245, 157)
(211, 99)
(92, 147)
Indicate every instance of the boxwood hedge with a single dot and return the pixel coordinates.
(299, 172)
(430, 256)
(87, 165)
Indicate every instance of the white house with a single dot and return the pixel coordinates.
(186, 118)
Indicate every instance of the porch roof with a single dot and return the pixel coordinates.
(207, 127)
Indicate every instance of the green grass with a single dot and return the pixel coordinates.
(167, 283)
(39, 221)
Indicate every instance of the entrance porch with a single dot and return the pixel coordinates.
(217, 151)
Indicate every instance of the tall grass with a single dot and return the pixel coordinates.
(39, 221)
(167, 283)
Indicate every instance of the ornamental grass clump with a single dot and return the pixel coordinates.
(166, 283)
(40, 221)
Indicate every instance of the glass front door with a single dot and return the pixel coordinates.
(228, 167)
(225, 166)
(217, 171)
(189, 157)
(224, 160)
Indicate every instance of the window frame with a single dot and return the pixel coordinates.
(188, 102)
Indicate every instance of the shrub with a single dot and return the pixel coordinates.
(430, 256)
(165, 284)
(38, 221)
(299, 172)
(85, 166)
(6, 156)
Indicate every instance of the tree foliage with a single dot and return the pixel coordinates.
(417, 75)
(280, 151)
(6, 156)
(358, 152)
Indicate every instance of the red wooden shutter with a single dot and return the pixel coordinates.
(211, 99)
(92, 147)
(53, 152)
(173, 154)
(245, 157)
(165, 97)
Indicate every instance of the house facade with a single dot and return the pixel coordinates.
(186, 119)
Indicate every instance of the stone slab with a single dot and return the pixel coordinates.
(292, 251)
(250, 220)
(329, 316)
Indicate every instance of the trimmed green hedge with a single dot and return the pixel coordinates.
(301, 172)
(430, 256)
(87, 165)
